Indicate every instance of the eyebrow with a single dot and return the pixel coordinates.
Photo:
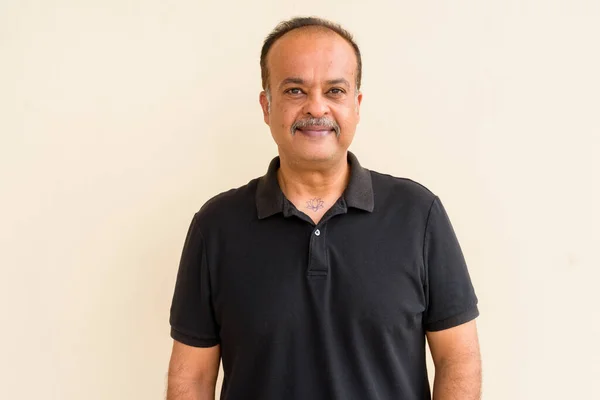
(338, 82)
(300, 81)
(286, 81)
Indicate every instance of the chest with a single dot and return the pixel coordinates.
(303, 277)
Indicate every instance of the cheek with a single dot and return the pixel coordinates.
(282, 118)
(287, 117)
(346, 118)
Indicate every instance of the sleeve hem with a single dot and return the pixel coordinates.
(453, 321)
(193, 341)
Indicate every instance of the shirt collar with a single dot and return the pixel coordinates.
(358, 194)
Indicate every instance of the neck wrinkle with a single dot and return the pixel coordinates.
(313, 183)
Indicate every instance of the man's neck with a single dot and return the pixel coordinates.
(298, 180)
(313, 189)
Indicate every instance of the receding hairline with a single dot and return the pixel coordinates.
(302, 25)
(312, 30)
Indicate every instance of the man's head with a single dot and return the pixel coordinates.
(311, 73)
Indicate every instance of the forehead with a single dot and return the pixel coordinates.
(311, 54)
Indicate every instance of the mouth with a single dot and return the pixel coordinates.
(315, 131)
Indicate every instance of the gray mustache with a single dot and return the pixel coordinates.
(322, 121)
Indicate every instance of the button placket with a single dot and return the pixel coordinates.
(317, 263)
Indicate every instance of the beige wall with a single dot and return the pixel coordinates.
(118, 119)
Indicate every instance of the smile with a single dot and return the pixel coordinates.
(315, 131)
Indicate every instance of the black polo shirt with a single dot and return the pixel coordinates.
(336, 310)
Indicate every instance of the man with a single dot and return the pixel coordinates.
(321, 279)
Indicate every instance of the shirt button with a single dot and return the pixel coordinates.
(317, 232)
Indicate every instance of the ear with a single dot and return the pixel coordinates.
(264, 104)
(358, 101)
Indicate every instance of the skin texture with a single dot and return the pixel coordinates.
(193, 372)
(316, 57)
(457, 360)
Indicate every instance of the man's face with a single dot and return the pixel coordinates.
(312, 82)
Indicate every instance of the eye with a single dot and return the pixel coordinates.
(294, 91)
(336, 91)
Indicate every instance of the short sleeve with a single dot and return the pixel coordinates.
(451, 298)
(192, 315)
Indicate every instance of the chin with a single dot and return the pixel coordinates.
(306, 152)
(315, 155)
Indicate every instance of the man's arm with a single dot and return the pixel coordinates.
(455, 353)
(193, 372)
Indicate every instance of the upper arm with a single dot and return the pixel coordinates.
(450, 296)
(451, 301)
(196, 352)
(192, 314)
(194, 364)
(459, 344)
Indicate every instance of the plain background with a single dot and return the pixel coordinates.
(119, 119)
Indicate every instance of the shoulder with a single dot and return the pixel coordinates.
(392, 190)
(231, 206)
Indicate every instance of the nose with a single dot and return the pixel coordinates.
(315, 106)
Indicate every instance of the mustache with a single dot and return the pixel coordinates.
(310, 122)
